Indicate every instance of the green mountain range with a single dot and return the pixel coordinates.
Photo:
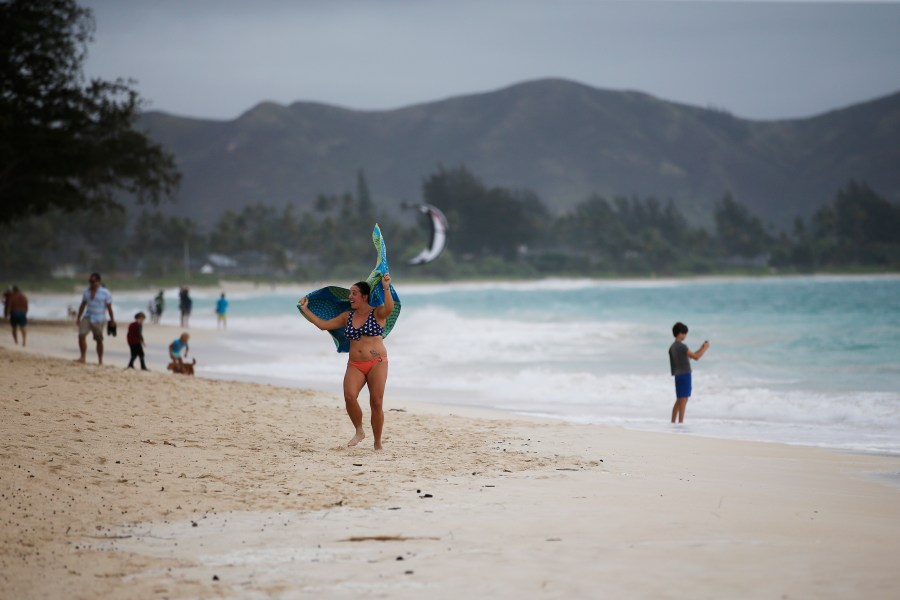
(561, 139)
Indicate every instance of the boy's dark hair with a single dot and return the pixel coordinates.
(364, 288)
(678, 328)
(140, 315)
(95, 276)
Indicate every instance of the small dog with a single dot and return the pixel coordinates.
(184, 368)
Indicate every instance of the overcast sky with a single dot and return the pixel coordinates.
(761, 60)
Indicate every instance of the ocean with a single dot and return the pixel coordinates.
(799, 360)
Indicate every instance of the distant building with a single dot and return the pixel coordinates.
(218, 262)
(64, 272)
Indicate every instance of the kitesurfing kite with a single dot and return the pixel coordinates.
(438, 233)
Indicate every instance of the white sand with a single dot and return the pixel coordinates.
(123, 484)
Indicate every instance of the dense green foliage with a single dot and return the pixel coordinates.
(858, 230)
(65, 143)
(494, 233)
(487, 221)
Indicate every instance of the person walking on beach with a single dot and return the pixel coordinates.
(136, 341)
(159, 305)
(96, 302)
(221, 309)
(368, 362)
(185, 303)
(18, 313)
(680, 364)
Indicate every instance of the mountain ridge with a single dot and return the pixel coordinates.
(562, 139)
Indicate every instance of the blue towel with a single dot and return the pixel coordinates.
(329, 302)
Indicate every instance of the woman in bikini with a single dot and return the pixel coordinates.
(367, 365)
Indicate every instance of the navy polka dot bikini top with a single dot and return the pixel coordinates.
(369, 328)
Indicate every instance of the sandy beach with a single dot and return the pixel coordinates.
(126, 484)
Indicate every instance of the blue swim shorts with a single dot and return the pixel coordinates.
(18, 319)
(683, 386)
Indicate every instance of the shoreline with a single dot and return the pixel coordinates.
(120, 483)
(55, 341)
(243, 286)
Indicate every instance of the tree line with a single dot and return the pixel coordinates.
(494, 232)
(506, 231)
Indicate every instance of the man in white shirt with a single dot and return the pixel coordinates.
(95, 303)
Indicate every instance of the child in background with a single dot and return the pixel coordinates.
(679, 355)
(178, 350)
(135, 340)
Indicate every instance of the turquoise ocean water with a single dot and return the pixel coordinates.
(801, 360)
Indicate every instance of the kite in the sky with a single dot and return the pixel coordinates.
(438, 233)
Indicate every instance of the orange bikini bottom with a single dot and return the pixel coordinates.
(366, 365)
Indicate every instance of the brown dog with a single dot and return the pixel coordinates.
(184, 369)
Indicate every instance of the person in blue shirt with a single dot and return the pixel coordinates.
(178, 350)
(221, 309)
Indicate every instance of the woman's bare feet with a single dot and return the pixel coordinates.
(356, 438)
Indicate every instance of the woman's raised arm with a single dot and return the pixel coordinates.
(319, 322)
(384, 311)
